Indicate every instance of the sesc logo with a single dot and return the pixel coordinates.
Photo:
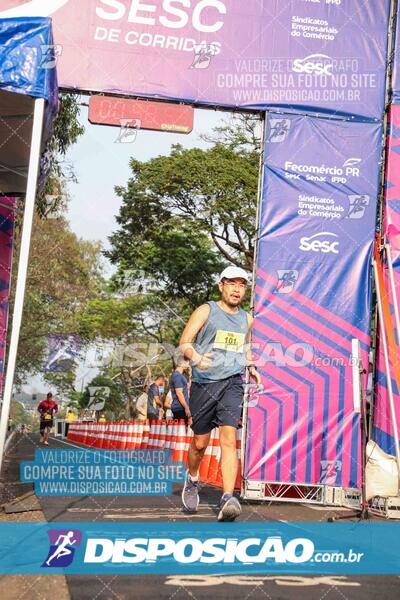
(314, 64)
(33, 8)
(317, 243)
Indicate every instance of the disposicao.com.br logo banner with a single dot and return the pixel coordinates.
(193, 548)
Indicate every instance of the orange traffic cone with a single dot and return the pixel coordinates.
(179, 445)
(146, 433)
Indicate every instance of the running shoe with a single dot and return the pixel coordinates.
(229, 508)
(190, 494)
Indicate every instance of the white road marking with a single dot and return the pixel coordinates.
(172, 516)
(147, 514)
(186, 581)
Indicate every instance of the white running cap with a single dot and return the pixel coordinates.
(234, 273)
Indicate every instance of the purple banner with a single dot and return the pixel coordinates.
(6, 251)
(383, 424)
(322, 55)
(313, 296)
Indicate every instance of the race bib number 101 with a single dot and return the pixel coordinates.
(229, 341)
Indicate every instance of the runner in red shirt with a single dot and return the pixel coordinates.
(47, 408)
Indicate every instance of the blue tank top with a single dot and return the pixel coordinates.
(224, 335)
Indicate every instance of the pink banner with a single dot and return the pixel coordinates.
(382, 424)
(6, 251)
(306, 55)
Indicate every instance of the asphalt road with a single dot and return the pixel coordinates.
(145, 509)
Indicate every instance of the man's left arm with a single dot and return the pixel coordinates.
(249, 356)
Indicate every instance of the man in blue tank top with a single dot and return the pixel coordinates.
(216, 340)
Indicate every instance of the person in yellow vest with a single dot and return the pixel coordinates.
(71, 416)
(101, 419)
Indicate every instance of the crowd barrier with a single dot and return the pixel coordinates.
(157, 435)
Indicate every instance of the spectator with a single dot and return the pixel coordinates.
(180, 391)
(70, 416)
(47, 408)
(154, 402)
(141, 404)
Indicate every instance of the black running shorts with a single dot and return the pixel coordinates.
(46, 423)
(216, 403)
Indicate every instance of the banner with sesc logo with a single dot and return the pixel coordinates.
(328, 56)
(313, 295)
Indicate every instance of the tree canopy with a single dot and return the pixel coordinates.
(184, 215)
(64, 275)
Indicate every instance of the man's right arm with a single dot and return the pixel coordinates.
(181, 397)
(196, 321)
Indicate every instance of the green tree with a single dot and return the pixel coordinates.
(114, 396)
(144, 329)
(64, 275)
(66, 132)
(18, 414)
(185, 214)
